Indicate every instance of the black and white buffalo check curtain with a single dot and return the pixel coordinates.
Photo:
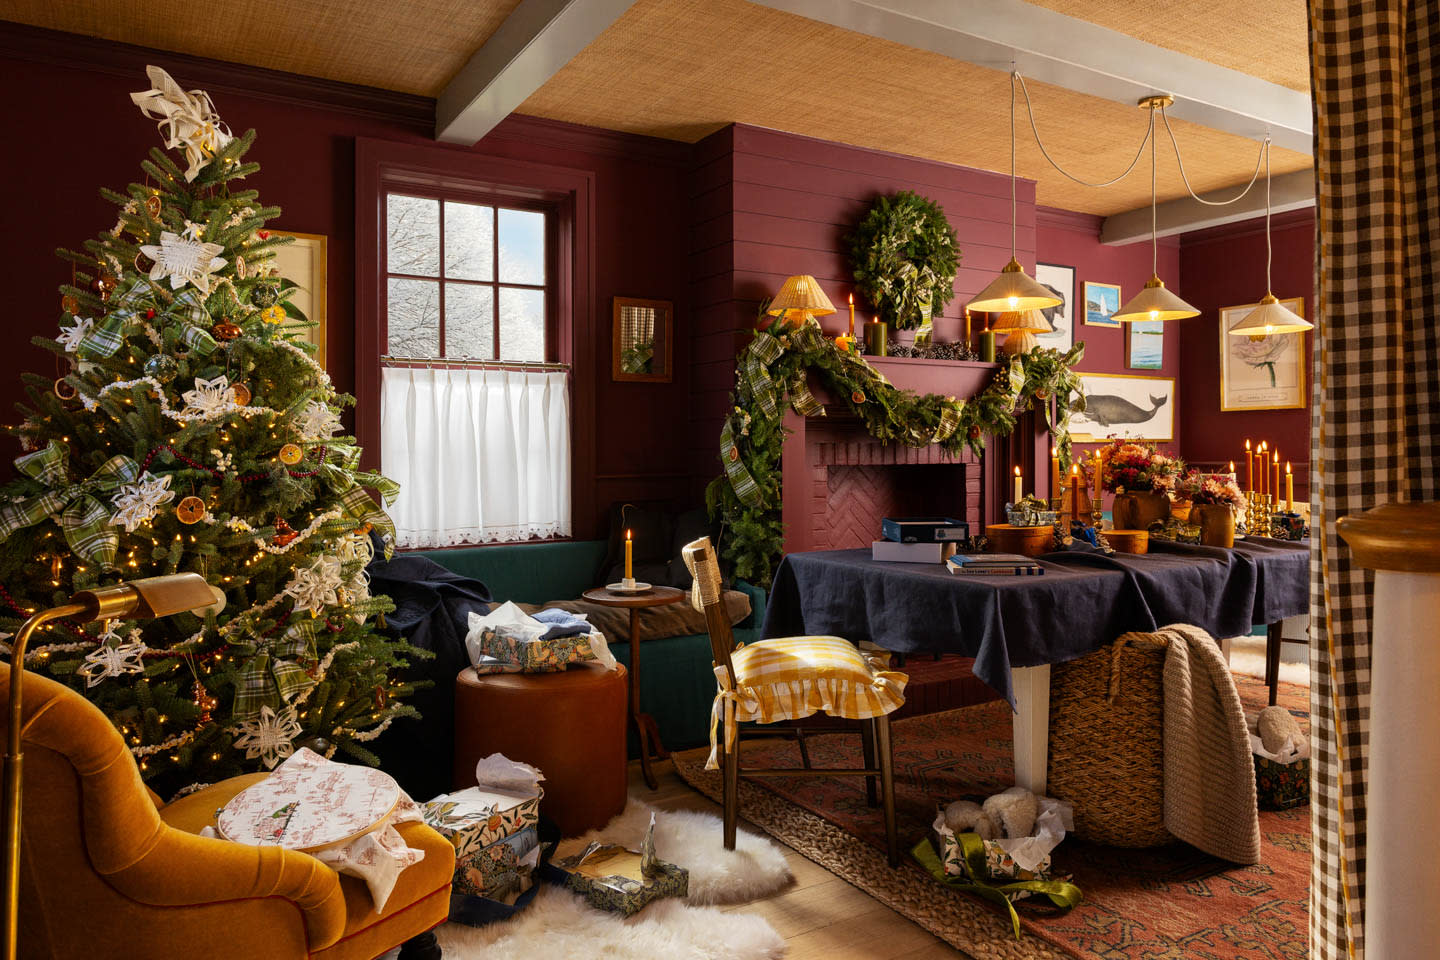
(1376, 423)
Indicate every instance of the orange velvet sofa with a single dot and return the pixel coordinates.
(108, 872)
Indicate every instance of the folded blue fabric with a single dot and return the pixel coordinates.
(562, 623)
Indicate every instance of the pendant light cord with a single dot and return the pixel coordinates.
(1030, 109)
(1269, 290)
(1013, 213)
(1154, 220)
(1264, 150)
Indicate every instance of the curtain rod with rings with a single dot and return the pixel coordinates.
(470, 363)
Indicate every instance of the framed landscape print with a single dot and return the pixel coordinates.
(1118, 405)
(304, 262)
(1060, 281)
(1145, 344)
(1101, 302)
(1265, 373)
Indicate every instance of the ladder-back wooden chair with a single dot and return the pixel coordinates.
(790, 678)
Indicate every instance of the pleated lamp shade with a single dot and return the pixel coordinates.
(1271, 316)
(800, 297)
(1020, 327)
(1154, 302)
(1013, 290)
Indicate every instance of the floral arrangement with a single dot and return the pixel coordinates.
(1212, 488)
(1138, 467)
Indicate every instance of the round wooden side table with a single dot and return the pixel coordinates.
(645, 726)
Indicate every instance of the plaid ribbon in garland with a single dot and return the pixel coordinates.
(338, 467)
(362, 507)
(763, 351)
(802, 401)
(740, 479)
(268, 678)
(106, 336)
(83, 519)
(922, 336)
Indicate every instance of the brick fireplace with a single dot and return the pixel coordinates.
(839, 480)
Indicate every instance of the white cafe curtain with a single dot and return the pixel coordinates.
(480, 455)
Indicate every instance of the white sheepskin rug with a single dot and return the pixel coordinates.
(1247, 656)
(559, 925)
(755, 868)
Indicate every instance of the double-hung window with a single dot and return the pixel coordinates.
(475, 420)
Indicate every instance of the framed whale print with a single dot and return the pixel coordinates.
(1262, 373)
(1122, 406)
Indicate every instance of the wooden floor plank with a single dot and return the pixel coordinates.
(821, 916)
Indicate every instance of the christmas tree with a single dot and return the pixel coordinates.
(193, 431)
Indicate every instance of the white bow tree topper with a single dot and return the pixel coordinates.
(188, 120)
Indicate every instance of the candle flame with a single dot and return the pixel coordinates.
(1232, 466)
(627, 534)
(1247, 444)
(1054, 451)
(852, 298)
(1074, 469)
(1277, 458)
(1287, 468)
(1017, 471)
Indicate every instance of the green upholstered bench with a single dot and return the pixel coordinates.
(677, 683)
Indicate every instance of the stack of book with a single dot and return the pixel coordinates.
(994, 565)
(919, 539)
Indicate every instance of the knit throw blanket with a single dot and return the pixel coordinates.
(1209, 776)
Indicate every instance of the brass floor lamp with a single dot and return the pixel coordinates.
(136, 600)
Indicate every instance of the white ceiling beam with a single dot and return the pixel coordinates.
(1289, 191)
(1069, 52)
(535, 41)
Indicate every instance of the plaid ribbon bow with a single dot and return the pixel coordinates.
(363, 507)
(268, 678)
(84, 520)
(107, 336)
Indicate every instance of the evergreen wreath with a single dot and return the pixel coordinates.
(903, 253)
(771, 372)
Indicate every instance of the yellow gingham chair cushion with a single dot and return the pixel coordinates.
(790, 678)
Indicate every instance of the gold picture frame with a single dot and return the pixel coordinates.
(305, 262)
(1125, 401)
(1279, 358)
(1100, 296)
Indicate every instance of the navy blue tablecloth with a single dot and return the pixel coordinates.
(1083, 600)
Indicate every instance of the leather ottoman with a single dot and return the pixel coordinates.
(570, 725)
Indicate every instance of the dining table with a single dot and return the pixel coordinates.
(1016, 627)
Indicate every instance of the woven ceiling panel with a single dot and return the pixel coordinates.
(414, 47)
(1269, 40)
(682, 69)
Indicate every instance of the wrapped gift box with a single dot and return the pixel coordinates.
(1282, 780)
(502, 870)
(474, 819)
(616, 878)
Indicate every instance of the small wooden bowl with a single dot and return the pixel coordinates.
(1028, 541)
(1129, 541)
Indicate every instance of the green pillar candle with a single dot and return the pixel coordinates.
(877, 336)
(987, 346)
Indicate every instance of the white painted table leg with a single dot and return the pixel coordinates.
(1402, 886)
(1032, 726)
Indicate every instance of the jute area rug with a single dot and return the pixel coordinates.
(1165, 903)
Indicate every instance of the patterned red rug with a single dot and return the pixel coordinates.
(1167, 902)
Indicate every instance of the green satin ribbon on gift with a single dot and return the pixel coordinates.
(1062, 893)
(267, 678)
(84, 520)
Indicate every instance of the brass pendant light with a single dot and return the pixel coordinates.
(1154, 302)
(1014, 289)
(1270, 316)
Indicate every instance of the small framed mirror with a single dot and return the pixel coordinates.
(642, 337)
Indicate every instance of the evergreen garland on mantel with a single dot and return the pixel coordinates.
(771, 372)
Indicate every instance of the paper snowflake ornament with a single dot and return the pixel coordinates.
(314, 588)
(193, 231)
(71, 337)
(138, 502)
(269, 736)
(184, 261)
(209, 398)
(317, 422)
(187, 119)
(112, 661)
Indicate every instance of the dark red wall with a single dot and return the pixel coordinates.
(81, 132)
(1225, 267)
(1073, 240)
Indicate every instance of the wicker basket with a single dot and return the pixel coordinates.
(1105, 741)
